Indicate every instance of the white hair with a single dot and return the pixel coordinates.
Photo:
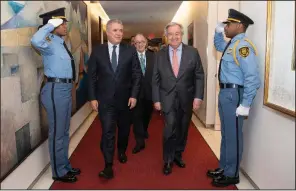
(140, 34)
(113, 21)
(173, 24)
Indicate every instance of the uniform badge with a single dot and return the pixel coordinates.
(48, 39)
(244, 52)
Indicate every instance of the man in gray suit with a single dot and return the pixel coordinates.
(177, 88)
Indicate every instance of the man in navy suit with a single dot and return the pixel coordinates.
(114, 84)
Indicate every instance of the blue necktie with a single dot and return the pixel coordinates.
(114, 59)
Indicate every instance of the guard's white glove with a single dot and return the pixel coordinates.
(219, 27)
(55, 22)
(242, 111)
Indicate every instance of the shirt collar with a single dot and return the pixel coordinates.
(144, 53)
(178, 49)
(110, 45)
(238, 37)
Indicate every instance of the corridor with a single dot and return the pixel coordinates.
(268, 131)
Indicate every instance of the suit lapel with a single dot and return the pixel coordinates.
(108, 57)
(169, 61)
(183, 62)
(149, 60)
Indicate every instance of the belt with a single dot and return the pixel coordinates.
(59, 80)
(222, 86)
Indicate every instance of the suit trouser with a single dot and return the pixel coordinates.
(231, 148)
(141, 118)
(111, 117)
(175, 132)
(57, 100)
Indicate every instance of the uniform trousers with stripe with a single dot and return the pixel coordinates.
(231, 147)
(57, 100)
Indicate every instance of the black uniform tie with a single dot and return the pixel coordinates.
(219, 71)
(72, 62)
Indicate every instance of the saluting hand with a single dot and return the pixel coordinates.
(56, 22)
(220, 27)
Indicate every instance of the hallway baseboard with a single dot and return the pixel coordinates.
(39, 158)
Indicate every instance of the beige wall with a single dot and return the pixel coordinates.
(196, 12)
(269, 135)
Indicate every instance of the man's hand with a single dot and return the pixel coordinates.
(219, 27)
(157, 106)
(94, 105)
(132, 102)
(55, 22)
(196, 103)
(243, 111)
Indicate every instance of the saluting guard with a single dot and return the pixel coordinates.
(56, 96)
(239, 81)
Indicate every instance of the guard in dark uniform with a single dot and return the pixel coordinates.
(239, 82)
(56, 96)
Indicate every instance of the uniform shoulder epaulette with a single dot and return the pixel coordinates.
(243, 51)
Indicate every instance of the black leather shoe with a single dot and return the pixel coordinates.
(74, 171)
(106, 173)
(138, 148)
(215, 173)
(66, 178)
(167, 168)
(180, 163)
(223, 181)
(122, 158)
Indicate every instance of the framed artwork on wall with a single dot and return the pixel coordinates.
(279, 84)
(96, 28)
(190, 30)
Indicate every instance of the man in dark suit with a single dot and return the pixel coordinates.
(114, 83)
(143, 110)
(177, 88)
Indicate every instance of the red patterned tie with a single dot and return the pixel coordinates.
(175, 62)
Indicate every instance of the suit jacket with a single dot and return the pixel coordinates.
(188, 85)
(146, 82)
(111, 87)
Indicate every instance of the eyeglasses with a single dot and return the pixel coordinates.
(142, 42)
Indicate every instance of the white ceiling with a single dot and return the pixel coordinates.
(142, 16)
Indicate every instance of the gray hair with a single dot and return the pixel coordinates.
(113, 21)
(173, 24)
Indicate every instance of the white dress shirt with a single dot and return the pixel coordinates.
(144, 56)
(110, 48)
